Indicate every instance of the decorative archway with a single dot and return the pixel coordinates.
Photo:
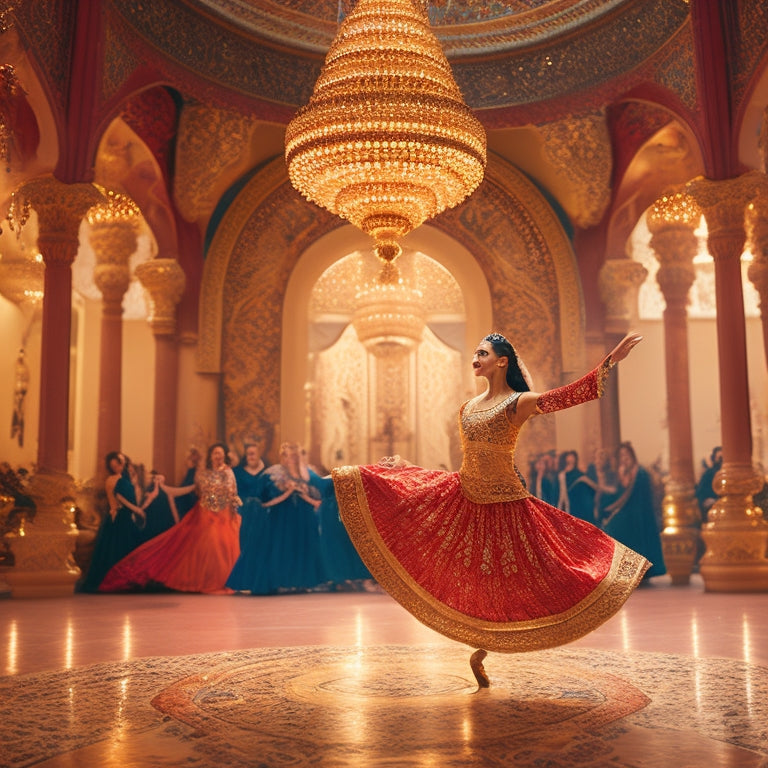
(505, 246)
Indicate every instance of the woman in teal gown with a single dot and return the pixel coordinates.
(342, 566)
(250, 573)
(293, 562)
(632, 517)
(119, 534)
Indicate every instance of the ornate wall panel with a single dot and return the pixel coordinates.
(47, 26)
(580, 147)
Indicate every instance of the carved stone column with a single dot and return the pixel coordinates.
(164, 282)
(757, 235)
(736, 532)
(44, 564)
(114, 229)
(619, 283)
(672, 221)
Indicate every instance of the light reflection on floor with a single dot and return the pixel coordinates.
(353, 680)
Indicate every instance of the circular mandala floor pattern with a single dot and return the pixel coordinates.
(390, 706)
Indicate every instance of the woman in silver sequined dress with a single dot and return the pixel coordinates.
(198, 553)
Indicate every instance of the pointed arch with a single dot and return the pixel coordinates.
(506, 246)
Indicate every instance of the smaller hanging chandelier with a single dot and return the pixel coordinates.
(388, 311)
(386, 140)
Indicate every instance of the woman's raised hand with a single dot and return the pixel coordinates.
(624, 347)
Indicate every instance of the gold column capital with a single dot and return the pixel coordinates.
(164, 281)
(60, 208)
(724, 205)
(672, 221)
(723, 201)
(619, 283)
(113, 243)
(675, 247)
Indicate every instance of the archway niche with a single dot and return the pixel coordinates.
(392, 392)
(505, 248)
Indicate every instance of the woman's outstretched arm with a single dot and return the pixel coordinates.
(589, 387)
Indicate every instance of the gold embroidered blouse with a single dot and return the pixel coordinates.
(488, 439)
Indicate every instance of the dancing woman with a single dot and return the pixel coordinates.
(198, 553)
(473, 554)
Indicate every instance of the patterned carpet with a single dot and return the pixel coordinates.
(390, 706)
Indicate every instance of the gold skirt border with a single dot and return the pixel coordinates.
(626, 572)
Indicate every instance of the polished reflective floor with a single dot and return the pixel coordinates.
(679, 677)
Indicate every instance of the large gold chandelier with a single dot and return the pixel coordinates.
(386, 140)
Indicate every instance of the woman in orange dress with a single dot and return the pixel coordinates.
(198, 553)
(472, 553)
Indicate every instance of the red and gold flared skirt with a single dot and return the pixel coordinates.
(506, 576)
(195, 555)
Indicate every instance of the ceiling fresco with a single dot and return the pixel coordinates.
(503, 54)
(463, 26)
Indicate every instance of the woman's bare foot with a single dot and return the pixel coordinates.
(476, 662)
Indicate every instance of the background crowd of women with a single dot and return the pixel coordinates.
(615, 493)
(251, 529)
(243, 526)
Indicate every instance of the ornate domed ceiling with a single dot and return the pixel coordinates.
(463, 26)
(504, 54)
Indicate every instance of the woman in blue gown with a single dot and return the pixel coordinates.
(632, 517)
(186, 501)
(121, 529)
(544, 482)
(293, 560)
(577, 490)
(251, 573)
(342, 566)
(161, 513)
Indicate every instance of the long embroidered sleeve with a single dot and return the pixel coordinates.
(589, 387)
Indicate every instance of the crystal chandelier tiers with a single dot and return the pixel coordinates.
(386, 140)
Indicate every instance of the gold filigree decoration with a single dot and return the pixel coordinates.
(619, 284)
(164, 281)
(579, 148)
(210, 141)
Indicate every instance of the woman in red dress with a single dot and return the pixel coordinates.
(472, 554)
(198, 553)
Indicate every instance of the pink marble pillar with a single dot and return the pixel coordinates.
(757, 233)
(164, 282)
(735, 533)
(44, 554)
(114, 227)
(619, 282)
